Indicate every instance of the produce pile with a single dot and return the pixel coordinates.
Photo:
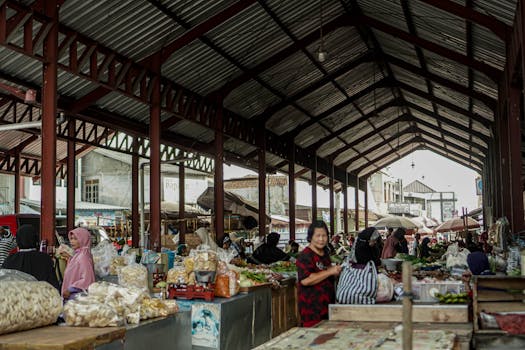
(453, 298)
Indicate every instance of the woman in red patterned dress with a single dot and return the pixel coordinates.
(316, 276)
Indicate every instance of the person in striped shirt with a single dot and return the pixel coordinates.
(7, 243)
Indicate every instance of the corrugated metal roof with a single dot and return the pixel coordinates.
(136, 29)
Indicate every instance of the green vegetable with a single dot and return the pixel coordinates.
(258, 277)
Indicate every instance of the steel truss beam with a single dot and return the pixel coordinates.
(103, 136)
(401, 153)
(121, 74)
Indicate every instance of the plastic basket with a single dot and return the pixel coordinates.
(425, 292)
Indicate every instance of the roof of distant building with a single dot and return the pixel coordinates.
(418, 187)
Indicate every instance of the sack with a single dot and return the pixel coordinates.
(357, 286)
(385, 288)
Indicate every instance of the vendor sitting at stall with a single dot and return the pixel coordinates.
(28, 259)
(478, 264)
(268, 252)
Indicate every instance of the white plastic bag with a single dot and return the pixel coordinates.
(385, 288)
(27, 305)
(103, 255)
(134, 275)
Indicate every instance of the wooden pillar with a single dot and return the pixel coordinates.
(345, 204)
(504, 165)
(135, 218)
(71, 175)
(219, 177)
(357, 204)
(314, 190)
(182, 203)
(49, 116)
(154, 178)
(291, 191)
(331, 198)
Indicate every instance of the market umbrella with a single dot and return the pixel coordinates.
(425, 230)
(457, 224)
(395, 222)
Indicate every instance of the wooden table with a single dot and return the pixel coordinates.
(337, 335)
(61, 338)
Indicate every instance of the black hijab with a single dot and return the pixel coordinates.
(31, 261)
(363, 251)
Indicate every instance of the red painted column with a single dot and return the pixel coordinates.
(314, 190)
(366, 203)
(345, 204)
(291, 191)
(219, 175)
(135, 217)
(331, 198)
(357, 204)
(182, 202)
(17, 184)
(49, 115)
(154, 179)
(261, 155)
(514, 134)
(71, 174)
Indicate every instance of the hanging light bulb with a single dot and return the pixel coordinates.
(321, 52)
(413, 165)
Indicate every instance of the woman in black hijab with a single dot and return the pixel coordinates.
(366, 247)
(28, 259)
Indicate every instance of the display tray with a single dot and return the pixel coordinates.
(252, 288)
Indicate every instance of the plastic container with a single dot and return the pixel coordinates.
(425, 292)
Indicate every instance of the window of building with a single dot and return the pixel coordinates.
(91, 191)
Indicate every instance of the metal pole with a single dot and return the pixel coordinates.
(366, 202)
(356, 204)
(345, 204)
(262, 189)
(71, 174)
(182, 203)
(219, 176)
(154, 178)
(143, 238)
(135, 229)
(17, 184)
(314, 190)
(49, 114)
(331, 194)
(291, 191)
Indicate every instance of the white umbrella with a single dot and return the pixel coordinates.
(395, 222)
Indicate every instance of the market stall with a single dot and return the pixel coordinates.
(158, 334)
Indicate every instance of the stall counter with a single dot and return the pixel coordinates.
(158, 334)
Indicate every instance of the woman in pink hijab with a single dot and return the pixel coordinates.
(79, 272)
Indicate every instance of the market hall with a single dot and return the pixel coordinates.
(327, 92)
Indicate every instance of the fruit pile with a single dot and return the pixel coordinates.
(453, 298)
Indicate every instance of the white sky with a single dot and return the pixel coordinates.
(440, 174)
